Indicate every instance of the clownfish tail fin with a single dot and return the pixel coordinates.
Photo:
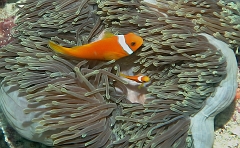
(57, 48)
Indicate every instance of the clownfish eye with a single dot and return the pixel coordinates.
(133, 43)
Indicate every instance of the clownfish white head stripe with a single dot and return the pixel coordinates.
(122, 42)
(140, 78)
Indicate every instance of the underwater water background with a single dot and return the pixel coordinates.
(226, 123)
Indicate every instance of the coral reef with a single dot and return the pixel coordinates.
(5, 31)
(59, 101)
(7, 17)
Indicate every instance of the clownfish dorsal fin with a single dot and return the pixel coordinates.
(122, 75)
(107, 34)
(104, 35)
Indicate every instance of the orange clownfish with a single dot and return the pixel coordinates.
(111, 47)
(137, 78)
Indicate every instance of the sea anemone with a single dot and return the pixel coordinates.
(2, 3)
(61, 101)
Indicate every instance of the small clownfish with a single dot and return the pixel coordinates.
(138, 78)
(111, 47)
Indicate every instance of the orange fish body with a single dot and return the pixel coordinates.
(110, 48)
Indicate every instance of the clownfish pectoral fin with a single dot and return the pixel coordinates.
(140, 86)
(112, 56)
